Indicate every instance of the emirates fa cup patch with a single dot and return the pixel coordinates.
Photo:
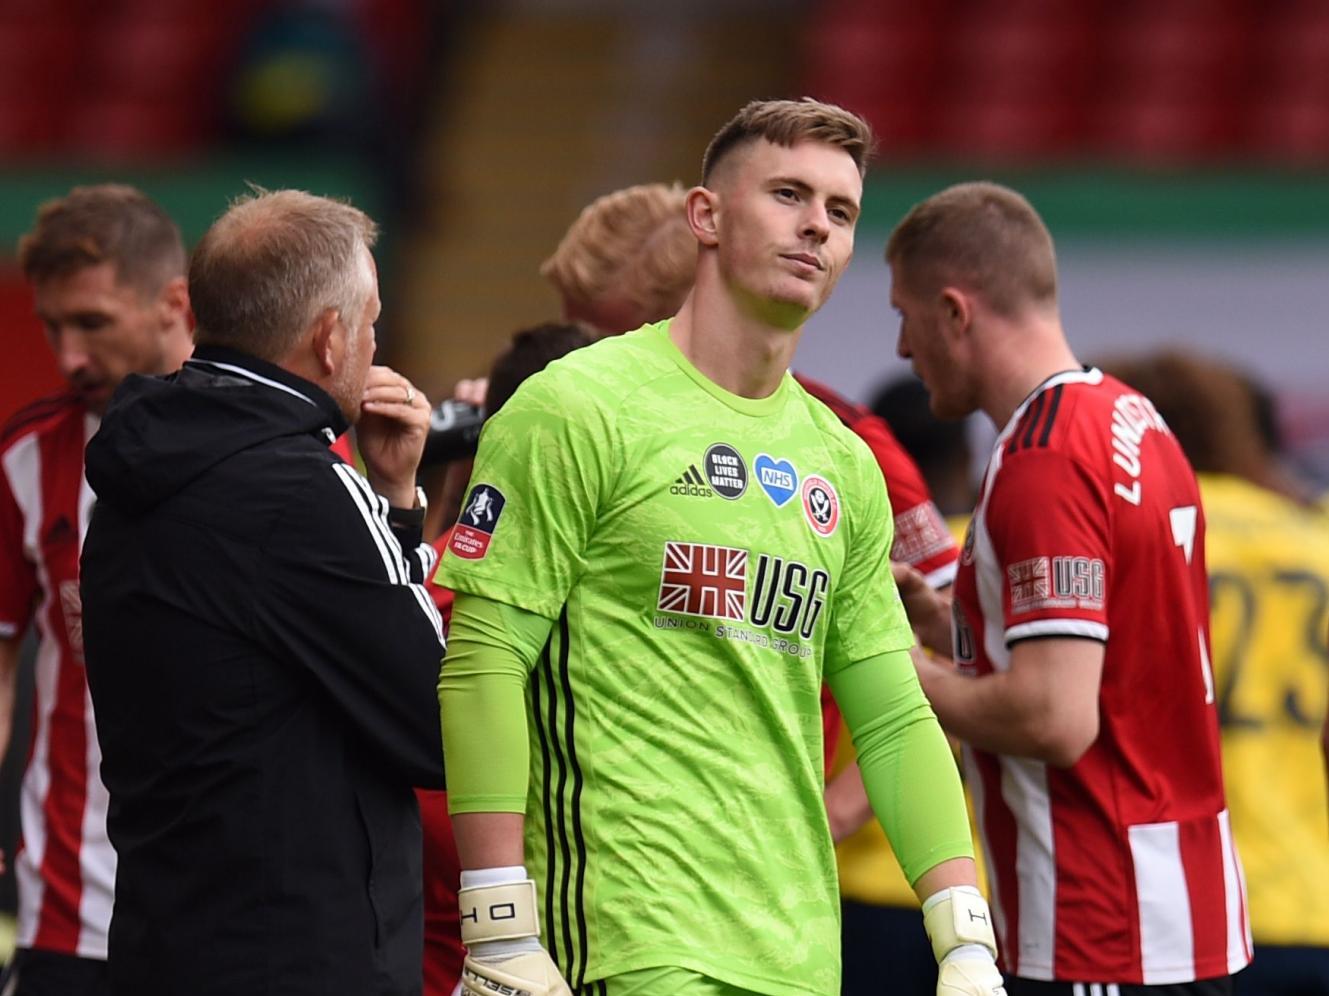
(821, 505)
(479, 518)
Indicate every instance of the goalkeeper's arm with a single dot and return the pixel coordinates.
(492, 648)
(914, 788)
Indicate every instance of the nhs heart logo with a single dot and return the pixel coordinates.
(777, 478)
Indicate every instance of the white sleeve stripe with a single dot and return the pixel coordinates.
(428, 607)
(428, 558)
(378, 506)
(388, 545)
(942, 576)
(350, 481)
(1058, 627)
(8, 629)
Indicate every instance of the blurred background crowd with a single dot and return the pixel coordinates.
(1178, 150)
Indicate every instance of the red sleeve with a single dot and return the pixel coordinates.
(830, 727)
(921, 536)
(1049, 522)
(443, 597)
(442, 872)
(342, 447)
(18, 575)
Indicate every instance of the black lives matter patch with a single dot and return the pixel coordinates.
(726, 471)
(479, 518)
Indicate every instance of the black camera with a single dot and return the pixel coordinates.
(454, 432)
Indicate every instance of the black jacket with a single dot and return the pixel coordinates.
(263, 675)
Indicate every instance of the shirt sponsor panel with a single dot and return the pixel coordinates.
(786, 598)
(1056, 583)
(920, 533)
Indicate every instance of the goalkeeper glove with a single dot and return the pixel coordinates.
(502, 937)
(959, 925)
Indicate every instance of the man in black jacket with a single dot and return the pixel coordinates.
(261, 653)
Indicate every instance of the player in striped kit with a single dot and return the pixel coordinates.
(107, 270)
(1083, 688)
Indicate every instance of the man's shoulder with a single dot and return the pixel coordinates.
(41, 416)
(845, 444)
(1072, 421)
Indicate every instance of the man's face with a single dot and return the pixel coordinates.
(925, 342)
(785, 222)
(101, 329)
(348, 386)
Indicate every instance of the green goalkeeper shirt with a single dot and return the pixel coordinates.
(706, 560)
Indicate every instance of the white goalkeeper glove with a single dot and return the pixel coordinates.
(959, 925)
(502, 937)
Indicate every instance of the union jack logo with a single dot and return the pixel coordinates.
(698, 579)
(1029, 583)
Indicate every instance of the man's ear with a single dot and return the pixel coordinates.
(327, 341)
(702, 206)
(173, 302)
(957, 311)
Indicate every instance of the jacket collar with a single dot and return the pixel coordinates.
(241, 364)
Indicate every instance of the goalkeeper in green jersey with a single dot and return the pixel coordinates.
(666, 546)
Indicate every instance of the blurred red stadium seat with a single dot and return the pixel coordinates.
(129, 128)
(150, 57)
(882, 62)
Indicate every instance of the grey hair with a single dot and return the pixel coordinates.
(275, 261)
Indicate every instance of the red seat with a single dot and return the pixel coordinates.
(118, 129)
(1168, 130)
(153, 57)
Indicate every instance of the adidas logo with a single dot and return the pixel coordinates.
(692, 484)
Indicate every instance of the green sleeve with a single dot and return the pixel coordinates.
(907, 767)
(492, 648)
(867, 618)
(545, 459)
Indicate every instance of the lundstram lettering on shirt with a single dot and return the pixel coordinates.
(1132, 416)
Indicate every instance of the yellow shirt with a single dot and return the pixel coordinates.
(1268, 561)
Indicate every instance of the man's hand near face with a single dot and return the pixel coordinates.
(394, 420)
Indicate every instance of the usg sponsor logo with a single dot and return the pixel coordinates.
(699, 579)
(692, 484)
(726, 471)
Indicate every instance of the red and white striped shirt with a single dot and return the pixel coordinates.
(65, 865)
(1121, 868)
(922, 538)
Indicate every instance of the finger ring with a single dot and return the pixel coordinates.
(410, 394)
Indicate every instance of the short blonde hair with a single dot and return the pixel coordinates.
(982, 236)
(635, 243)
(788, 122)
